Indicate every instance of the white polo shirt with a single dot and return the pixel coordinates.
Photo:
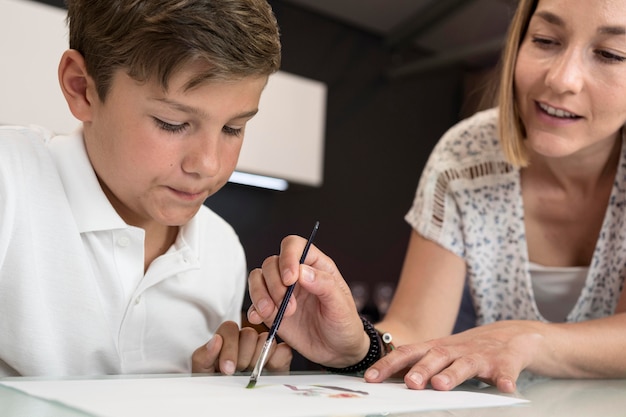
(74, 299)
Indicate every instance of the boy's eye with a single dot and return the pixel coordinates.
(168, 127)
(231, 131)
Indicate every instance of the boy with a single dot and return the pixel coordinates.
(109, 261)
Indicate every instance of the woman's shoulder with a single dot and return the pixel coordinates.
(475, 137)
(483, 120)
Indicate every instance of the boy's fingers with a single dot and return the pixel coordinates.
(204, 359)
(280, 359)
(249, 339)
(228, 356)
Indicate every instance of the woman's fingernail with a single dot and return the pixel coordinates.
(416, 378)
(371, 373)
(444, 379)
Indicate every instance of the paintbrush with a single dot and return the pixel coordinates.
(256, 372)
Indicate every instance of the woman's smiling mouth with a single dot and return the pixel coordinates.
(554, 112)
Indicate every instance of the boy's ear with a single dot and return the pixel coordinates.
(77, 86)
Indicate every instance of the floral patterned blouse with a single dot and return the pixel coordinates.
(469, 201)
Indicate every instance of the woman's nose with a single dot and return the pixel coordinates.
(565, 75)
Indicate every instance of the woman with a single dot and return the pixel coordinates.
(524, 202)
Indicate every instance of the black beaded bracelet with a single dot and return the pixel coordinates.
(373, 354)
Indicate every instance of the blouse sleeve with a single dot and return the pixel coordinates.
(467, 158)
(434, 213)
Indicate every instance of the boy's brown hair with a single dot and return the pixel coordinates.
(152, 39)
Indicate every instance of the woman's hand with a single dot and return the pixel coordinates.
(494, 353)
(234, 350)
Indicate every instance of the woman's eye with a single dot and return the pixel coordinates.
(543, 42)
(168, 127)
(610, 57)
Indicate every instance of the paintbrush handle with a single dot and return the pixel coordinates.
(279, 316)
(281, 313)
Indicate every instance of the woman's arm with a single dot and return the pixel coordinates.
(428, 295)
(496, 353)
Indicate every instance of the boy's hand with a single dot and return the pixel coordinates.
(232, 349)
(321, 320)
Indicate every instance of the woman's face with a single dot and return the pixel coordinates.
(570, 76)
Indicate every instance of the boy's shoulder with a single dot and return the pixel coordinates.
(23, 143)
(16, 135)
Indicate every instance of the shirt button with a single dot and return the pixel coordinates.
(123, 241)
(138, 299)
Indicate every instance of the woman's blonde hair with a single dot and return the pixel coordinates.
(510, 127)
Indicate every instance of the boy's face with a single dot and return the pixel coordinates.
(159, 154)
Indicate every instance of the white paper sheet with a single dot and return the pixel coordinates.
(274, 396)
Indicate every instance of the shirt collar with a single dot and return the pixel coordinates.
(92, 209)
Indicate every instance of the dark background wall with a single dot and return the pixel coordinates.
(379, 134)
